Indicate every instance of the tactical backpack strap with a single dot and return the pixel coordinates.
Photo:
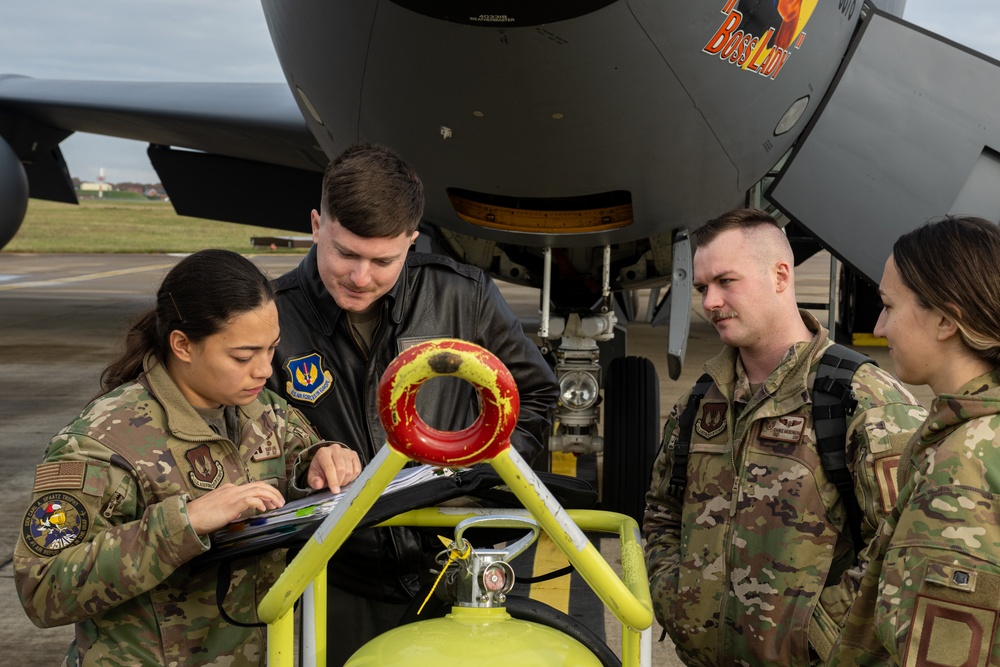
(682, 447)
(833, 401)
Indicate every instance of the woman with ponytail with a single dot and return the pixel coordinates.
(184, 439)
(931, 592)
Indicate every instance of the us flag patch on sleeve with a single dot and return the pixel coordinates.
(59, 475)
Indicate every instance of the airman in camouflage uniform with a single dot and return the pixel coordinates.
(931, 593)
(106, 542)
(935, 570)
(750, 566)
(183, 440)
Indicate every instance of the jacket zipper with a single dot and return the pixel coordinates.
(728, 541)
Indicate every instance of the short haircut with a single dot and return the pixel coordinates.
(372, 192)
(766, 241)
(741, 218)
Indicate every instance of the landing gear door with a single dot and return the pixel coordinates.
(910, 130)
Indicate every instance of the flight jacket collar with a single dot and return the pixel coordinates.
(183, 421)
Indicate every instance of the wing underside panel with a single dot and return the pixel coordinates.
(910, 131)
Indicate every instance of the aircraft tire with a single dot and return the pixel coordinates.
(631, 434)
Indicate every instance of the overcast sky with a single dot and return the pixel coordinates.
(227, 40)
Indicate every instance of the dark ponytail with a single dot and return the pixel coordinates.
(199, 296)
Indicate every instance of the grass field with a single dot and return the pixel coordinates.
(129, 227)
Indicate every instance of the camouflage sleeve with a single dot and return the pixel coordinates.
(661, 523)
(886, 417)
(88, 543)
(300, 444)
(939, 594)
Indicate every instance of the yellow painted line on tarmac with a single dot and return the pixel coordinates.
(554, 593)
(85, 277)
(870, 340)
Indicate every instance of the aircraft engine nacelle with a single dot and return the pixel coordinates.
(13, 193)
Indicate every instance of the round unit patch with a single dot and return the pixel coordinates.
(53, 522)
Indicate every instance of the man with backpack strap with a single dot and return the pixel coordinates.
(749, 547)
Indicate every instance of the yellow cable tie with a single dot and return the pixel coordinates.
(453, 555)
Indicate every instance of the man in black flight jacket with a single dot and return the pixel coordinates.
(356, 301)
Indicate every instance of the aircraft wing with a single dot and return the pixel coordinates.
(910, 128)
(243, 139)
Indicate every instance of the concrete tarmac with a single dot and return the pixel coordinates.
(61, 317)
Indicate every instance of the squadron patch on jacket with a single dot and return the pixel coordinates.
(206, 472)
(712, 421)
(53, 522)
(307, 379)
(783, 429)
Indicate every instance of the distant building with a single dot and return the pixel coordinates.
(96, 187)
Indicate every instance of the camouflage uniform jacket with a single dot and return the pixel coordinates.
(106, 540)
(931, 595)
(750, 570)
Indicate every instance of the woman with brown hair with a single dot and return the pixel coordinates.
(931, 592)
(184, 439)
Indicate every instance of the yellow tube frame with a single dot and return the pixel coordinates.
(628, 600)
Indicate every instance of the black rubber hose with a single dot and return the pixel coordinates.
(524, 609)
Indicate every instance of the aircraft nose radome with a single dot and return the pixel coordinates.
(579, 106)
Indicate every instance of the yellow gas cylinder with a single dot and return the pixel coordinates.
(484, 637)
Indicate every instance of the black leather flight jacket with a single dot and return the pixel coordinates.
(434, 297)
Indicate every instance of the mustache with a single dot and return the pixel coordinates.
(717, 315)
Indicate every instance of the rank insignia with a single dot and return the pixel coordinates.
(712, 421)
(267, 451)
(206, 472)
(307, 379)
(53, 522)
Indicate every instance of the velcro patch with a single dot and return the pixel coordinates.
(64, 475)
(951, 576)
(783, 429)
(945, 633)
(307, 381)
(53, 522)
(404, 344)
(885, 475)
(712, 421)
(268, 450)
